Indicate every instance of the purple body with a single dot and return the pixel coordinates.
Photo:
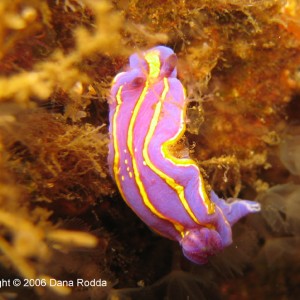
(147, 111)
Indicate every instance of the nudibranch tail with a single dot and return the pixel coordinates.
(147, 115)
(235, 209)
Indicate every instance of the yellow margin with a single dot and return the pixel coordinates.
(136, 174)
(116, 167)
(187, 162)
(116, 147)
(169, 180)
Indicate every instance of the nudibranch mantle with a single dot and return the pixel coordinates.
(147, 115)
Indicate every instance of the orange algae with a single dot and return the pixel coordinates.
(239, 61)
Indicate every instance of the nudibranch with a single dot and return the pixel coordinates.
(147, 116)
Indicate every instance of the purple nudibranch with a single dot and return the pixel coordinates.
(147, 115)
